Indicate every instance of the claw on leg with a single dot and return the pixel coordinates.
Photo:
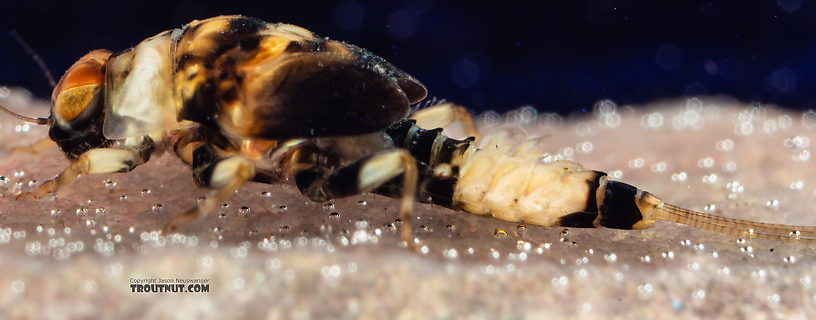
(41, 191)
(102, 160)
(228, 175)
(380, 168)
(407, 201)
(365, 175)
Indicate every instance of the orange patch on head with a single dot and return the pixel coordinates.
(77, 87)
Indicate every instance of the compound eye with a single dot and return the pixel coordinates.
(78, 88)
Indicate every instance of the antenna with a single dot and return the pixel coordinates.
(37, 121)
(43, 67)
(34, 56)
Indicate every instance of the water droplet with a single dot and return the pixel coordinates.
(56, 212)
(724, 145)
(565, 232)
(499, 232)
(636, 163)
(801, 155)
(17, 286)
(284, 228)
(244, 211)
(490, 118)
(362, 203)
(652, 120)
(334, 215)
(706, 162)
(659, 167)
(809, 119)
(218, 231)
(266, 194)
(123, 197)
(797, 142)
(679, 177)
(158, 207)
(146, 192)
(328, 206)
(282, 209)
(451, 227)
(109, 184)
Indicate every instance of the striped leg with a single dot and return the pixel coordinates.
(225, 175)
(103, 160)
(441, 115)
(365, 175)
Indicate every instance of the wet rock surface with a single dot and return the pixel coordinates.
(269, 252)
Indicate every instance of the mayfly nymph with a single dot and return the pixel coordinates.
(239, 99)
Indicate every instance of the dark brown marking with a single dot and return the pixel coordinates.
(577, 220)
(322, 96)
(619, 209)
(293, 46)
(591, 204)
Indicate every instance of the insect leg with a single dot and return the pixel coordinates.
(441, 115)
(102, 160)
(225, 175)
(365, 175)
(35, 148)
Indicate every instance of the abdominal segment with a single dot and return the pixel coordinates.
(508, 180)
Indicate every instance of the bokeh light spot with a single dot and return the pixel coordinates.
(669, 57)
(790, 6)
(402, 23)
(782, 80)
(465, 73)
(348, 15)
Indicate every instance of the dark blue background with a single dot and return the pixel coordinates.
(557, 56)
